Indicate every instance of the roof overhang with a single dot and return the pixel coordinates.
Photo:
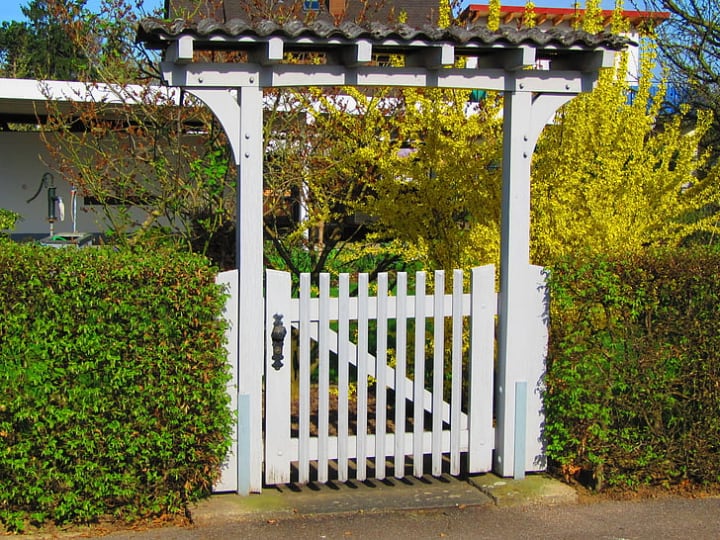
(350, 53)
(28, 100)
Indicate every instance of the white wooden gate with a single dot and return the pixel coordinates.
(352, 390)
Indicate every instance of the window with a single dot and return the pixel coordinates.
(311, 5)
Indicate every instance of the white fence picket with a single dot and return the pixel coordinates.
(323, 377)
(456, 373)
(304, 382)
(419, 376)
(381, 381)
(400, 380)
(344, 360)
(362, 378)
(438, 376)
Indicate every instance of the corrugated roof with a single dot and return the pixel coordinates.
(157, 33)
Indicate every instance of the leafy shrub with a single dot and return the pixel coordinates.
(112, 386)
(633, 378)
(7, 220)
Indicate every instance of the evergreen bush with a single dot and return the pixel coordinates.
(633, 377)
(112, 383)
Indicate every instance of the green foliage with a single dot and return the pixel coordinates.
(633, 382)
(8, 218)
(40, 48)
(439, 197)
(112, 388)
(319, 169)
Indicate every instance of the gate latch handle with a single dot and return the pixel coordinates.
(278, 337)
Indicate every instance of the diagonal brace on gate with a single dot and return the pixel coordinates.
(335, 344)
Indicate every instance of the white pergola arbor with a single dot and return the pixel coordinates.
(505, 61)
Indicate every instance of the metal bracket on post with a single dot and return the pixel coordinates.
(520, 430)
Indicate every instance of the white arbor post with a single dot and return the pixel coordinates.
(240, 111)
(519, 323)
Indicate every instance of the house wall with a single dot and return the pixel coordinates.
(23, 161)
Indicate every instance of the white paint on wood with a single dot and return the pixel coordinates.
(362, 378)
(304, 382)
(241, 114)
(372, 444)
(400, 379)
(228, 476)
(438, 374)
(419, 375)
(249, 249)
(482, 340)
(392, 307)
(390, 376)
(452, 432)
(238, 75)
(537, 341)
(381, 382)
(523, 117)
(456, 376)
(277, 382)
(344, 361)
(323, 377)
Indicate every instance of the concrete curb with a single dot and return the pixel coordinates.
(283, 502)
(533, 489)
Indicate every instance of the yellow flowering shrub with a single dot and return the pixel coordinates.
(609, 177)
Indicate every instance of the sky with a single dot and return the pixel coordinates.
(10, 9)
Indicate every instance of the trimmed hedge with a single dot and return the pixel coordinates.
(633, 378)
(112, 383)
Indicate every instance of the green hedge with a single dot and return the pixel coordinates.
(112, 383)
(633, 380)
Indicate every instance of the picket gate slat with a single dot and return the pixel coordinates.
(456, 373)
(419, 376)
(381, 382)
(362, 378)
(438, 374)
(344, 360)
(401, 387)
(323, 377)
(304, 382)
